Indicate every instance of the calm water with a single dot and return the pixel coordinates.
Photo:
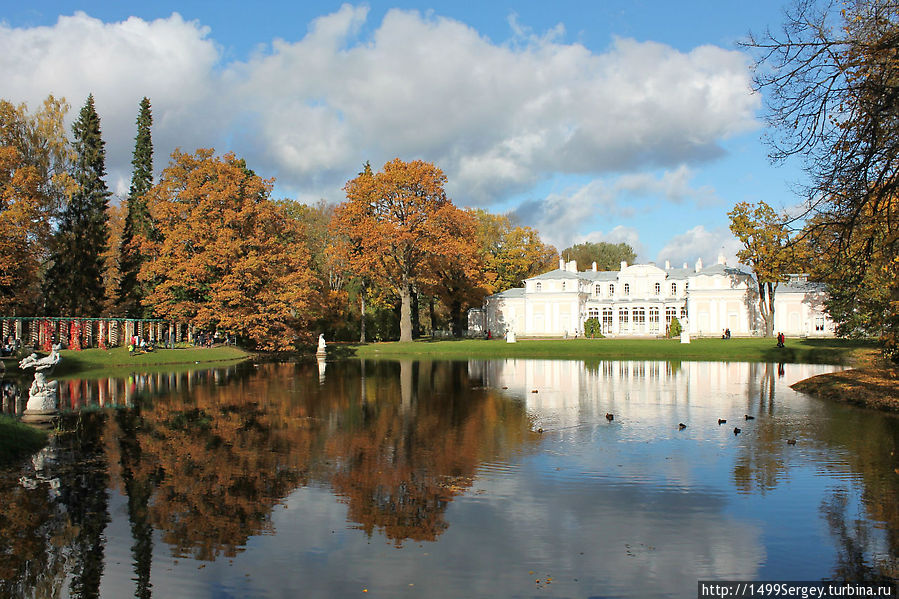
(433, 479)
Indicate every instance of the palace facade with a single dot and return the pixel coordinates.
(643, 299)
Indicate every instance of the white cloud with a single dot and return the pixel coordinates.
(498, 118)
(169, 60)
(699, 242)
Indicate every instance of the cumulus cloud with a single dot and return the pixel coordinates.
(497, 117)
(169, 60)
(699, 242)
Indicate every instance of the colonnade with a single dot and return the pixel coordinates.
(78, 333)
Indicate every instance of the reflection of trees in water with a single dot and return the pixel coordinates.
(53, 518)
(872, 440)
(204, 462)
(869, 442)
(858, 557)
(410, 450)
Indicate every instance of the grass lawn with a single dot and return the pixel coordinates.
(18, 440)
(117, 359)
(823, 351)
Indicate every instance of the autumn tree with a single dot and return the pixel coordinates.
(75, 277)
(397, 216)
(608, 256)
(764, 239)
(137, 220)
(459, 275)
(224, 255)
(511, 253)
(831, 83)
(34, 165)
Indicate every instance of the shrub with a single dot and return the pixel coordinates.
(592, 328)
(674, 329)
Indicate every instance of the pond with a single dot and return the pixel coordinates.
(497, 478)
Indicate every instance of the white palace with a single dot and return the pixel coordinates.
(642, 299)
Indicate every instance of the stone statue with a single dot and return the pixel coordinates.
(42, 396)
(321, 345)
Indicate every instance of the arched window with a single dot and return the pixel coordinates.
(674, 289)
(627, 289)
(611, 290)
(658, 289)
(563, 285)
(538, 287)
(596, 290)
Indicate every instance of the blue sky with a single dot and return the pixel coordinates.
(615, 121)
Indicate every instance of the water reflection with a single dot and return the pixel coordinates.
(287, 476)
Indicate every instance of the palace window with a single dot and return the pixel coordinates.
(653, 320)
(670, 314)
(538, 287)
(658, 289)
(563, 285)
(627, 289)
(674, 289)
(683, 312)
(611, 290)
(606, 320)
(624, 320)
(596, 290)
(819, 323)
(639, 319)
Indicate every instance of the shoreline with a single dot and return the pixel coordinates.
(872, 383)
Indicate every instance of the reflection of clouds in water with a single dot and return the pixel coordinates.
(612, 536)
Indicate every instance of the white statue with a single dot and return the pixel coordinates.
(321, 343)
(42, 396)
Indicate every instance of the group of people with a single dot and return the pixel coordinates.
(10, 346)
(781, 339)
(139, 345)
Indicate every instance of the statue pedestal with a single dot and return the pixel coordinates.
(39, 416)
(685, 337)
(510, 337)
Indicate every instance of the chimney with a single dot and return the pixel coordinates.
(698, 264)
(623, 264)
(561, 263)
(571, 266)
(594, 267)
(667, 265)
(721, 259)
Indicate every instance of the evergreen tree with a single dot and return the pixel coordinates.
(137, 222)
(75, 277)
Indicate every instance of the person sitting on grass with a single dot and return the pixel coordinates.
(130, 349)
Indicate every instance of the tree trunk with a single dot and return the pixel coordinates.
(771, 307)
(766, 308)
(416, 321)
(405, 312)
(362, 315)
(432, 316)
(455, 317)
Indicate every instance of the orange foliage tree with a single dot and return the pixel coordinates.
(223, 255)
(397, 222)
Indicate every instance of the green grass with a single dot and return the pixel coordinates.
(117, 359)
(822, 351)
(18, 440)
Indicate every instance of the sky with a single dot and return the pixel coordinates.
(629, 120)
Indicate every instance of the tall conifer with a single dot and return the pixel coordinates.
(137, 222)
(76, 275)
